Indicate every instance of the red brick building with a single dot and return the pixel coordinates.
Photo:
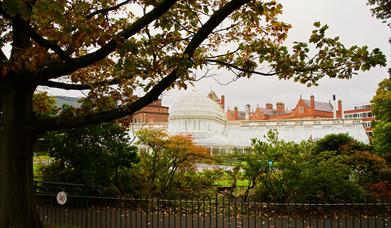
(364, 113)
(304, 109)
(152, 113)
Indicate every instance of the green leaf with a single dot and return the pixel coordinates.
(317, 24)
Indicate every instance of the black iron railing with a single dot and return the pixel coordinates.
(225, 212)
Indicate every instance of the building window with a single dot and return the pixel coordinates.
(359, 107)
(301, 109)
(367, 124)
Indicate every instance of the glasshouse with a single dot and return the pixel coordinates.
(196, 115)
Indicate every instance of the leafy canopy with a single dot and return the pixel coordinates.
(113, 48)
(381, 108)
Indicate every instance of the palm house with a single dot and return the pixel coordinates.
(196, 115)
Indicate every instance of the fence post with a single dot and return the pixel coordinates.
(217, 211)
(382, 208)
(210, 212)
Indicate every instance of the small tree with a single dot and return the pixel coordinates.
(168, 162)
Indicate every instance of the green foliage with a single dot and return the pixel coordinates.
(367, 167)
(340, 143)
(98, 156)
(333, 169)
(381, 10)
(327, 179)
(381, 140)
(381, 102)
(43, 104)
(381, 108)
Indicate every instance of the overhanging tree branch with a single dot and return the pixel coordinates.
(60, 69)
(56, 123)
(106, 10)
(42, 41)
(70, 86)
(229, 65)
(66, 86)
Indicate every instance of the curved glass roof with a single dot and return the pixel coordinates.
(194, 105)
(241, 136)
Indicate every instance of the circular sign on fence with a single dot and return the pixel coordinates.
(62, 198)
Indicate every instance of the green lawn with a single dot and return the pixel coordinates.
(38, 163)
(226, 181)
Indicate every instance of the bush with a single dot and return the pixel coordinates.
(98, 156)
(332, 169)
(341, 143)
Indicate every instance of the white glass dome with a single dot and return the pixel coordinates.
(194, 113)
(195, 105)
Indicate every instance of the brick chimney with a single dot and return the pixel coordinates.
(269, 105)
(236, 113)
(340, 111)
(222, 102)
(247, 112)
(280, 107)
(312, 102)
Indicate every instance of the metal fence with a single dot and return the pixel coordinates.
(86, 211)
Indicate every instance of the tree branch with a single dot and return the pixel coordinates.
(60, 69)
(78, 121)
(20, 40)
(69, 86)
(106, 10)
(229, 65)
(3, 57)
(66, 86)
(42, 41)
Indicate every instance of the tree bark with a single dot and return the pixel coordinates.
(17, 197)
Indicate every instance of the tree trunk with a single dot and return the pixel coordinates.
(17, 197)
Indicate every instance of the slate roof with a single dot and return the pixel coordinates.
(270, 112)
(320, 106)
(241, 114)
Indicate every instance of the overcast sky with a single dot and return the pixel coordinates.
(351, 20)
